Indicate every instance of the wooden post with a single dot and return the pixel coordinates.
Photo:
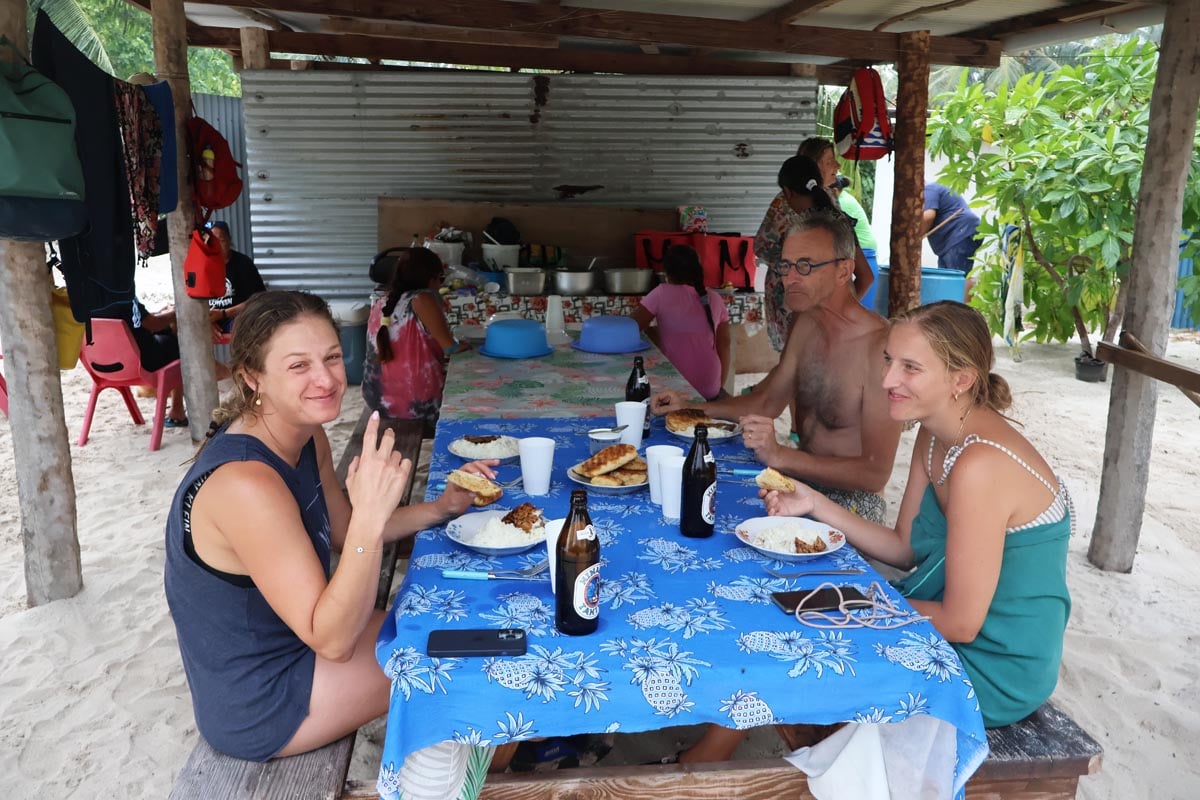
(191, 315)
(1152, 280)
(908, 198)
(256, 48)
(45, 484)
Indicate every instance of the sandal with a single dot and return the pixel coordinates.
(171, 422)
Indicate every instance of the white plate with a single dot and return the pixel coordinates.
(833, 538)
(714, 434)
(587, 483)
(455, 448)
(462, 530)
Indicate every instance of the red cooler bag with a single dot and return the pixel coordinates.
(651, 246)
(727, 258)
(204, 267)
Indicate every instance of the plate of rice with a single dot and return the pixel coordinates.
(486, 532)
(473, 448)
(790, 538)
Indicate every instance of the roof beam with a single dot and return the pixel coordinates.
(638, 28)
(790, 12)
(1049, 18)
(439, 33)
(354, 46)
(922, 11)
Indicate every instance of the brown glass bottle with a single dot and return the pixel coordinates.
(577, 571)
(637, 389)
(698, 501)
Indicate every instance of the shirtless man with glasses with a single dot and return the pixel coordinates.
(830, 366)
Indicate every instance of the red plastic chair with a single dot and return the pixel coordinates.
(3, 392)
(113, 361)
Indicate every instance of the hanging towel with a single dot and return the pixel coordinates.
(141, 146)
(168, 177)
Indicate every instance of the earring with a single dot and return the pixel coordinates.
(956, 394)
(258, 401)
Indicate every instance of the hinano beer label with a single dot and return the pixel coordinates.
(708, 505)
(586, 597)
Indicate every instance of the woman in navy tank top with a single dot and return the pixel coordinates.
(279, 652)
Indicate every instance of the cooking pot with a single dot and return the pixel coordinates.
(627, 281)
(574, 283)
(524, 280)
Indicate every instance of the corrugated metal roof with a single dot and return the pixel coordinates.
(323, 146)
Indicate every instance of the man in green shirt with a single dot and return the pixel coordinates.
(862, 230)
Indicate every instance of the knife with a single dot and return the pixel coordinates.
(474, 575)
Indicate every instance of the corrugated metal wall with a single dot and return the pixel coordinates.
(323, 146)
(225, 114)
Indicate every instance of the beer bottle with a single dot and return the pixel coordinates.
(637, 389)
(698, 501)
(577, 571)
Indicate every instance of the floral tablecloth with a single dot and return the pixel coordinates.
(568, 382)
(688, 633)
(473, 309)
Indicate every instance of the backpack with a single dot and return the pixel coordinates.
(41, 180)
(862, 129)
(215, 181)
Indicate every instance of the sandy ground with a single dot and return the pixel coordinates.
(94, 701)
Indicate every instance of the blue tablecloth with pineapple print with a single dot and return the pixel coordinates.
(688, 633)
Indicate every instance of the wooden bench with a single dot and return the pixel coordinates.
(320, 774)
(1043, 756)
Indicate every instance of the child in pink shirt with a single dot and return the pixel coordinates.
(693, 323)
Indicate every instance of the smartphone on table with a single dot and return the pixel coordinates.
(822, 600)
(463, 642)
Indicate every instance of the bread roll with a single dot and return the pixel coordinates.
(485, 491)
(772, 480)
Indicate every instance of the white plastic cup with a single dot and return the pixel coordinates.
(537, 461)
(632, 414)
(554, 314)
(654, 457)
(670, 480)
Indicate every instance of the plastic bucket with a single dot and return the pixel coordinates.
(501, 256)
(936, 284)
(351, 317)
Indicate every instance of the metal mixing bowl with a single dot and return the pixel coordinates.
(574, 283)
(628, 281)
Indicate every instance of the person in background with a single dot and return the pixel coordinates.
(952, 230)
(158, 345)
(862, 230)
(693, 323)
(408, 341)
(242, 280)
(984, 523)
(801, 189)
(278, 649)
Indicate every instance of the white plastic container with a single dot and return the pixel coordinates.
(450, 253)
(351, 317)
(501, 256)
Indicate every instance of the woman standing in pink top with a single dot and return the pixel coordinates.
(693, 323)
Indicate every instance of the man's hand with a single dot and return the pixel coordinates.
(666, 402)
(758, 434)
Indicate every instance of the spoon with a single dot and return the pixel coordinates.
(617, 429)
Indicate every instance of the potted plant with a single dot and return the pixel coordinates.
(1061, 161)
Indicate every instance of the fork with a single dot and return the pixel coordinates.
(787, 576)
(504, 574)
(514, 483)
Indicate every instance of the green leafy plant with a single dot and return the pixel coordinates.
(1066, 169)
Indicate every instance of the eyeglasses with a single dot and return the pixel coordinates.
(803, 267)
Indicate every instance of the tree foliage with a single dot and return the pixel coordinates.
(1066, 169)
(117, 37)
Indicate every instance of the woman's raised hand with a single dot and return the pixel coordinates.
(377, 478)
(789, 504)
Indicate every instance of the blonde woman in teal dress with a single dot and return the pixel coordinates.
(984, 522)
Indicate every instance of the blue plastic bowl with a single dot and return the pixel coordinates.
(516, 338)
(610, 334)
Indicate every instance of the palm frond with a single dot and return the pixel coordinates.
(70, 18)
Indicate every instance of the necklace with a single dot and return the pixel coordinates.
(954, 450)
